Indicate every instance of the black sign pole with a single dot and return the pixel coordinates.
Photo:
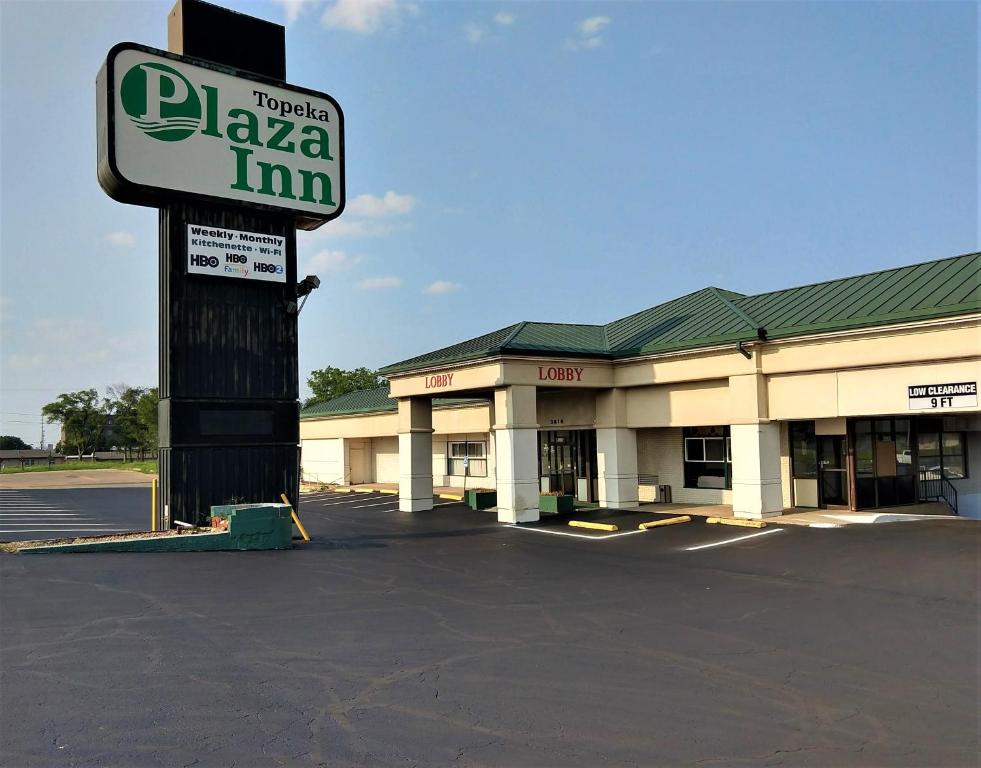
(229, 379)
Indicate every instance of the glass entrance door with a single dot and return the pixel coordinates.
(883, 462)
(833, 470)
(567, 462)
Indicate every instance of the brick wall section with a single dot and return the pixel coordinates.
(661, 452)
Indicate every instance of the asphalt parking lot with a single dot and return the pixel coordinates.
(51, 513)
(442, 638)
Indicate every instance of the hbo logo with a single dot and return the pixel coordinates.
(200, 260)
(259, 266)
(236, 258)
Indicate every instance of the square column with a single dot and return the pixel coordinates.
(415, 454)
(756, 488)
(616, 463)
(516, 445)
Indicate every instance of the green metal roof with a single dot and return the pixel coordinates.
(713, 316)
(375, 400)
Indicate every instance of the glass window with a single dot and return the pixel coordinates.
(953, 457)
(694, 449)
(715, 449)
(803, 449)
(474, 452)
(904, 448)
(941, 453)
(707, 458)
(928, 452)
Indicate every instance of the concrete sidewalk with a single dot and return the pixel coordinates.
(75, 478)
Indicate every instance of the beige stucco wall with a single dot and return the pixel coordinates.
(445, 420)
(698, 404)
(860, 392)
(357, 425)
(385, 459)
(566, 410)
(461, 420)
(698, 366)
(946, 340)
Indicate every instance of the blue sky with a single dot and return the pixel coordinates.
(570, 162)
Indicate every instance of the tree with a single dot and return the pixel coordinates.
(12, 443)
(82, 417)
(127, 429)
(328, 383)
(146, 413)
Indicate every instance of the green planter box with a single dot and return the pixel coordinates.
(556, 505)
(481, 499)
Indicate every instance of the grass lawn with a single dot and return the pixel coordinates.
(146, 467)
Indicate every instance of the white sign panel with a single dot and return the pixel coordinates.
(938, 396)
(234, 253)
(169, 128)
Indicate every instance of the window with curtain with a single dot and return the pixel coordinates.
(475, 452)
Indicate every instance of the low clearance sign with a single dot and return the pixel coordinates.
(172, 128)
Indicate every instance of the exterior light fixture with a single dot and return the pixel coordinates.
(304, 288)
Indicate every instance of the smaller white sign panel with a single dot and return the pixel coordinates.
(234, 253)
(962, 394)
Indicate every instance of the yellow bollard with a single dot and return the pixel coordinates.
(153, 504)
(668, 521)
(296, 518)
(593, 526)
(740, 521)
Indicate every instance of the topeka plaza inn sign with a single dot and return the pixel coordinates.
(241, 139)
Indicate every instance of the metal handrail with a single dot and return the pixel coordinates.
(934, 486)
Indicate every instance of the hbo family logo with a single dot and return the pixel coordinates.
(160, 101)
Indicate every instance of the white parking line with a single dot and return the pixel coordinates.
(65, 530)
(21, 505)
(376, 504)
(733, 541)
(575, 535)
(61, 524)
(37, 512)
(343, 501)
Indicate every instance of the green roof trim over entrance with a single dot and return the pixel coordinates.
(375, 400)
(714, 316)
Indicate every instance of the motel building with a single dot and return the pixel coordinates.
(853, 394)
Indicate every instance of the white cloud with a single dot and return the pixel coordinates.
(365, 16)
(329, 261)
(375, 283)
(504, 19)
(442, 286)
(121, 239)
(474, 32)
(593, 25)
(590, 34)
(294, 8)
(389, 204)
